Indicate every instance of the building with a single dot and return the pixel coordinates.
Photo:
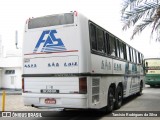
(10, 68)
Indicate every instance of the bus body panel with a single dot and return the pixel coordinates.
(61, 84)
(57, 59)
(52, 64)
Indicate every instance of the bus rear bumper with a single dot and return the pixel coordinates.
(61, 100)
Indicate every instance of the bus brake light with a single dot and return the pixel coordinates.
(83, 85)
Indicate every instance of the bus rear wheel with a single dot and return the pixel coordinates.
(111, 100)
(119, 97)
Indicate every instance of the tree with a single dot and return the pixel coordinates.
(141, 13)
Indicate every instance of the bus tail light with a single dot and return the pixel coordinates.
(83, 85)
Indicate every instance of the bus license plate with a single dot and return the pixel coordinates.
(49, 91)
(50, 101)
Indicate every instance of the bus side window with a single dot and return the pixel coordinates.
(112, 50)
(142, 57)
(137, 57)
(100, 40)
(107, 43)
(93, 37)
(121, 50)
(117, 48)
(134, 56)
(125, 52)
(128, 53)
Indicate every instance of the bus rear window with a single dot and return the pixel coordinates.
(53, 20)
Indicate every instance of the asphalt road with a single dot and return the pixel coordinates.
(148, 101)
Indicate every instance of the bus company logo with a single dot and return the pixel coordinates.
(49, 43)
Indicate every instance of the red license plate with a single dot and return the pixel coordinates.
(50, 101)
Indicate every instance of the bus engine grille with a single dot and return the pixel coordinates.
(95, 90)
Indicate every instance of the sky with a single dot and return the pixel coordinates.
(105, 13)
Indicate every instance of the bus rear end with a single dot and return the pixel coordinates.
(51, 72)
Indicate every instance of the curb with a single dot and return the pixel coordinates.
(12, 93)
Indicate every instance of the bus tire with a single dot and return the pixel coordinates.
(119, 97)
(111, 99)
(141, 88)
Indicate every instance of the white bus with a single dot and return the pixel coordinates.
(71, 62)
